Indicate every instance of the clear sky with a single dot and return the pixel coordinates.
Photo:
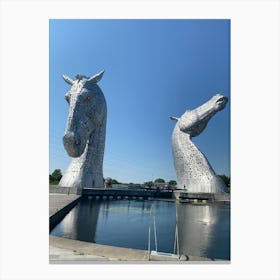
(153, 69)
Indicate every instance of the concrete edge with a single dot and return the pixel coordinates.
(102, 254)
(109, 252)
(60, 214)
(106, 262)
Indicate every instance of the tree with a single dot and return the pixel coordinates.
(159, 180)
(149, 183)
(114, 181)
(226, 179)
(172, 183)
(57, 174)
(55, 177)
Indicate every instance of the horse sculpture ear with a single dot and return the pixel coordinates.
(174, 119)
(96, 78)
(68, 80)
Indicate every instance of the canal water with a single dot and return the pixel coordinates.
(203, 230)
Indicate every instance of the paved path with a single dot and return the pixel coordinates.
(59, 201)
(63, 249)
(68, 250)
(61, 254)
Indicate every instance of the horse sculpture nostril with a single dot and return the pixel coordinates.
(71, 139)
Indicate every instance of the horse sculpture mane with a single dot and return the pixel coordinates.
(194, 172)
(84, 137)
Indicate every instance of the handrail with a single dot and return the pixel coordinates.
(175, 241)
(149, 242)
(176, 238)
(155, 232)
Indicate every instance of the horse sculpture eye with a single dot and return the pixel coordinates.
(220, 100)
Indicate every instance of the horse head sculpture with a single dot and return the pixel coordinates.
(87, 110)
(194, 173)
(84, 137)
(193, 122)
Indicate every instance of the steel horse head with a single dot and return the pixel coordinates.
(87, 110)
(84, 137)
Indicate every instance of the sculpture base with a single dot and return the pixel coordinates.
(65, 190)
(184, 196)
(201, 184)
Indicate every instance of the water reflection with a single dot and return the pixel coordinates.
(203, 230)
(80, 223)
(127, 224)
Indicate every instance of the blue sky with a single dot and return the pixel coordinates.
(153, 69)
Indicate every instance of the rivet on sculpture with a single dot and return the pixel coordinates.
(194, 172)
(84, 137)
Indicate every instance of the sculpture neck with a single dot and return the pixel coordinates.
(92, 158)
(190, 163)
(87, 170)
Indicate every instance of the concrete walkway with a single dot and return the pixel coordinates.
(59, 206)
(59, 201)
(63, 249)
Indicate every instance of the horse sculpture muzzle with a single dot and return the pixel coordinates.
(73, 144)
